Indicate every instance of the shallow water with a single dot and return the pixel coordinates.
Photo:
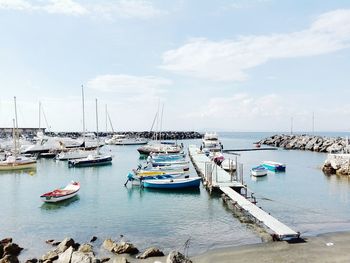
(303, 198)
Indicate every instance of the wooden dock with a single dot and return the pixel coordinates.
(216, 177)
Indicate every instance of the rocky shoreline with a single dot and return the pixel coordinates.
(308, 142)
(68, 251)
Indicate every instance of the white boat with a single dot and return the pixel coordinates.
(172, 183)
(73, 154)
(120, 139)
(211, 142)
(61, 194)
(259, 171)
(229, 165)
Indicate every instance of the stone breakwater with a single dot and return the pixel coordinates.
(69, 251)
(308, 142)
(166, 135)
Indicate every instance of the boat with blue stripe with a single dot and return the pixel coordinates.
(274, 166)
(180, 183)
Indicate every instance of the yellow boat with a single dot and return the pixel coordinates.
(144, 173)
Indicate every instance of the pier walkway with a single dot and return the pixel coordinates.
(216, 177)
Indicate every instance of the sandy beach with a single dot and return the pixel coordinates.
(332, 247)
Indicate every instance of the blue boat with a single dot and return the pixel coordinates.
(180, 183)
(274, 166)
(259, 171)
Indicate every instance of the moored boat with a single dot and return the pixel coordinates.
(17, 163)
(179, 183)
(61, 194)
(259, 171)
(91, 160)
(274, 166)
(119, 139)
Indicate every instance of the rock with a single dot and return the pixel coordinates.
(64, 245)
(9, 259)
(93, 239)
(12, 249)
(51, 255)
(109, 245)
(125, 248)
(105, 260)
(118, 260)
(151, 252)
(49, 241)
(80, 257)
(6, 241)
(177, 257)
(86, 248)
(33, 260)
(66, 256)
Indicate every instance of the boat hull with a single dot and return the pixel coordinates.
(275, 168)
(172, 183)
(16, 166)
(88, 163)
(48, 199)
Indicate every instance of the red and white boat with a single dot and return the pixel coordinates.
(61, 194)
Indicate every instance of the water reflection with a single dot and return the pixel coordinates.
(61, 204)
(27, 171)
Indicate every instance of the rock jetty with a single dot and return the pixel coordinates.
(308, 142)
(166, 135)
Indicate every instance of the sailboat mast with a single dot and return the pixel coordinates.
(161, 124)
(98, 138)
(16, 127)
(106, 117)
(14, 137)
(82, 96)
(39, 115)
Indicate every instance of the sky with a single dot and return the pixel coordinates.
(226, 65)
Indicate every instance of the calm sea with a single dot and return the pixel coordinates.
(303, 198)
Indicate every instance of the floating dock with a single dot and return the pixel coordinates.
(216, 177)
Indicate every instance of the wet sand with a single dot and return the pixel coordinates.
(332, 247)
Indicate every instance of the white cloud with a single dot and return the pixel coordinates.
(129, 9)
(130, 87)
(140, 9)
(228, 60)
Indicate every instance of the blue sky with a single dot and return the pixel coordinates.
(218, 65)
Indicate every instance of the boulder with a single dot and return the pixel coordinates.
(105, 260)
(66, 256)
(109, 245)
(64, 245)
(9, 259)
(80, 257)
(6, 241)
(12, 249)
(118, 260)
(177, 257)
(93, 239)
(32, 260)
(151, 252)
(51, 255)
(86, 248)
(125, 248)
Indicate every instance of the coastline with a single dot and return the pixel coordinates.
(329, 247)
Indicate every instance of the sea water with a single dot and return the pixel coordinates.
(303, 198)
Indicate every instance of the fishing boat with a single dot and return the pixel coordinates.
(73, 154)
(274, 166)
(144, 173)
(61, 194)
(259, 171)
(179, 183)
(120, 139)
(169, 167)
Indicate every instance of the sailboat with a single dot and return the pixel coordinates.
(93, 159)
(77, 153)
(16, 161)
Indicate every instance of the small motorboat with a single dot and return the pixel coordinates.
(160, 172)
(179, 183)
(61, 194)
(274, 166)
(259, 171)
